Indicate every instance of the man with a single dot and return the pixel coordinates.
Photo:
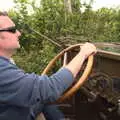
(22, 94)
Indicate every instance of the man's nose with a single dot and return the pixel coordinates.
(18, 33)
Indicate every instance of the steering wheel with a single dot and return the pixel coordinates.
(69, 92)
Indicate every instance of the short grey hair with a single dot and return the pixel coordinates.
(3, 13)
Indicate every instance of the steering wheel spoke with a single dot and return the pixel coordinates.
(65, 59)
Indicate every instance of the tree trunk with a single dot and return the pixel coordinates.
(68, 7)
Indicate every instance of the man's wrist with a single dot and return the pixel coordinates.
(83, 55)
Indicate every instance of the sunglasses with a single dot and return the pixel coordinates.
(9, 29)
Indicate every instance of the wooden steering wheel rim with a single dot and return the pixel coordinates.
(81, 80)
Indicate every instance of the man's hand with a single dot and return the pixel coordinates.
(88, 49)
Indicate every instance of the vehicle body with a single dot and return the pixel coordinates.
(99, 97)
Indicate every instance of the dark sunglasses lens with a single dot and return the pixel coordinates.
(10, 29)
(13, 29)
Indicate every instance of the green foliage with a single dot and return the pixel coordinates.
(35, 60)
(54, 21)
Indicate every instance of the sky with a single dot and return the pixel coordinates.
(106, 3)
(5, 5)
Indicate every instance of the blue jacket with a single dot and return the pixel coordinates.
(20, 91)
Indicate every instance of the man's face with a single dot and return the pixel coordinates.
(9, 37)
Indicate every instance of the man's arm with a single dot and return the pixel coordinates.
(23, 89)
(76, 63)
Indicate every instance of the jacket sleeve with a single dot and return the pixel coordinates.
(23, 89)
